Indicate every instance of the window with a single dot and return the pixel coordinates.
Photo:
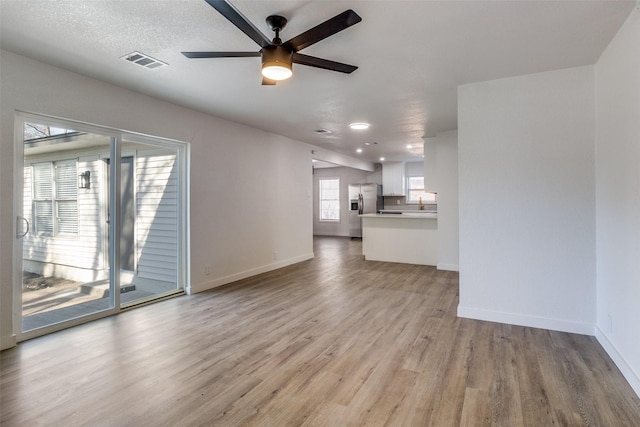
(34, 131)
(329, 199)
(416, 193)
(55, 198)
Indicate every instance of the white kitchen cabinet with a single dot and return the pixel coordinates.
(393, 179)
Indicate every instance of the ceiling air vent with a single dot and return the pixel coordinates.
(144, 60)
(322, 131)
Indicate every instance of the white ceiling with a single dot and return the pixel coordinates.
(411, 55)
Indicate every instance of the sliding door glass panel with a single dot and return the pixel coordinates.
(150, 221)
(100, 212)
(66, 269)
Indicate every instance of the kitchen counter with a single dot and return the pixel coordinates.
(403, 215)
(417, 211)
(406, 238)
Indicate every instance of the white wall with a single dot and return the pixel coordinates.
(618, 199)
(430, 153)
(241, 178)
(441, 176)
(347, 176)
(527, 200)
(446, 165)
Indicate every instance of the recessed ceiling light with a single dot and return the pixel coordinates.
(382, 159)
(359, 150)
(359, 126)
(409, 146)
(367, 143)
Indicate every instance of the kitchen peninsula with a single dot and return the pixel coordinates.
(407, 238)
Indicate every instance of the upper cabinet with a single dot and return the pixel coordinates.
(393, 179)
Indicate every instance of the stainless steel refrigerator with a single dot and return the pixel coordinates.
(363, 199)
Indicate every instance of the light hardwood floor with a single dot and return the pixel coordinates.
(334, 341)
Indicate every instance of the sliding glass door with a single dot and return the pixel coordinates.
(65, 241)
(150, 220)
(102, 225)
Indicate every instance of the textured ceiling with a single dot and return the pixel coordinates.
(411, 55)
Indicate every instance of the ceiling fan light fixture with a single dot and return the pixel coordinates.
(276, 72)
(276, 63)
(359, 126)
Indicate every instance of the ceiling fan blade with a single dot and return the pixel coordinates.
(268, 82)
(220, 54)
(312, 61)
(322, 31)
(227, 10)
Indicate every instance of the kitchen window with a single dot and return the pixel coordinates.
(416, 193)
(55, 198)
(329, 197)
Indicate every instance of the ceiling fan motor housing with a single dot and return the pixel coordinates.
(276, 56)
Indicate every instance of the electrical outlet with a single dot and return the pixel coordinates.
(207, 269)
(398, 202)
(275, 255)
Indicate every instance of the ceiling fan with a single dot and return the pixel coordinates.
(278, 57)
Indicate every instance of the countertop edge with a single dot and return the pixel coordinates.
(401, 216)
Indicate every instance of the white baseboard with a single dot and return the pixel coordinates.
(524, 320)
(448, 267)
(7, 341)
(248, 273)
(627, 370)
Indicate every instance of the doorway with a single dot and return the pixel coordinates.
(102, 211)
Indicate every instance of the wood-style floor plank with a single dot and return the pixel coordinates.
(333, 341)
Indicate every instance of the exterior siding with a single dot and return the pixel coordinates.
(84, 257)
(78, 257)
(156, 215)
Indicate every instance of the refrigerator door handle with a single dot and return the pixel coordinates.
(360, 204)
